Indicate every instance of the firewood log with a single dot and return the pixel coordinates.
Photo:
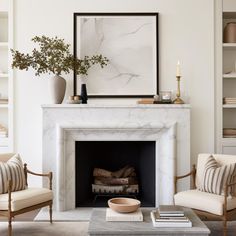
(115, 181)
(123, 189)
(120, 173)
(101, 172)
(129, 172)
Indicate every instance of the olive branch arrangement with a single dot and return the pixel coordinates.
(53, 56)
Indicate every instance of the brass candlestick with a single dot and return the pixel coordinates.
(178, 100)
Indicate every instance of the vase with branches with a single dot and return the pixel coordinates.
(52, 56)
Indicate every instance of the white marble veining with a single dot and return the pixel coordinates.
(63, 125)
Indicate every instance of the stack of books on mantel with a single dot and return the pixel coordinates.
(146, 101)
(170, 216)
(229, 100)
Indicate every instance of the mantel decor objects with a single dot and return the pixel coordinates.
(53, 56)
(130, 41)
(165, 97)
(178, 100)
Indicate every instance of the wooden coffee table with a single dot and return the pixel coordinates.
(99, 226)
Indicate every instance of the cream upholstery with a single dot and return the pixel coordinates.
(25, 198)
(207, 204)
(220, 158)
(29, 199)
(203, 201)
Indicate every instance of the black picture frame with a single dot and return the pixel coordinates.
(75, 38)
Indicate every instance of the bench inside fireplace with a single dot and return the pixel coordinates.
(112, 156)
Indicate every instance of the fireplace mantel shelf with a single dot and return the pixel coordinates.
(144, 106)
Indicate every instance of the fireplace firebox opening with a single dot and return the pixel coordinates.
(115, 168)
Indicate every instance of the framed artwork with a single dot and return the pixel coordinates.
(130, 42)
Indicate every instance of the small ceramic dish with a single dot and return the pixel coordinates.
(124, 205)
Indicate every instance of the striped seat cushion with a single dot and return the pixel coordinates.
(215, 177)
(12, 170)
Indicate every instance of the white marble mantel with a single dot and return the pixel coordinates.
(168, 125)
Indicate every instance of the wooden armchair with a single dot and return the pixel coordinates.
(19, 202)
(208, 205)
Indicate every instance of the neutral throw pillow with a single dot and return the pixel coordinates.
(12, 170)
(215, 177)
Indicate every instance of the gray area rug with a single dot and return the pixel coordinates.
(81, 228)
(77, 214)
(216, 228)
(44, 228)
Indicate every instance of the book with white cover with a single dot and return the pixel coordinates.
(116, 216)
(170, 210)
(171, 224)
(169, 219)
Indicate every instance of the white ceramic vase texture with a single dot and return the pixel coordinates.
(57, 89)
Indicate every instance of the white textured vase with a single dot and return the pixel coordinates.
(58, 89)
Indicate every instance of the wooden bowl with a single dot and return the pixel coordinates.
(124, 205)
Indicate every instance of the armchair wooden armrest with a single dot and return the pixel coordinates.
(191, 173)
(231, 184)
(226, 191)
(9, 194)
(49, 175)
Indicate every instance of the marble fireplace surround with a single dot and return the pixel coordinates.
(63, 125)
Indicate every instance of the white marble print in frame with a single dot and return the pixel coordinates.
(130, 42)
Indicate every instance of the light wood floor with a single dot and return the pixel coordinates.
(29, 216)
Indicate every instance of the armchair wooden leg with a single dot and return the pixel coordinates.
(50, 212)
(225, 226)
(9, 226)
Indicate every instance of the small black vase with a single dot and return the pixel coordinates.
(83, 94)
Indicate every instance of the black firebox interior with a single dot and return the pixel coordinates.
(113, 155)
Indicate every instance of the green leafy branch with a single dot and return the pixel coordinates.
(53, 56)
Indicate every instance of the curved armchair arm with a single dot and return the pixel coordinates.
(9, 194)
(226, 192)
(49, 175)
(191, 173)
(231, 184)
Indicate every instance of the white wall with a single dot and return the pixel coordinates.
(229, 5)
(186, 33)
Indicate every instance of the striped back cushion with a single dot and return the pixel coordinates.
(215, 177)
(12, 170)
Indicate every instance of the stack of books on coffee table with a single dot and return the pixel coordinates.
(170, 216)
